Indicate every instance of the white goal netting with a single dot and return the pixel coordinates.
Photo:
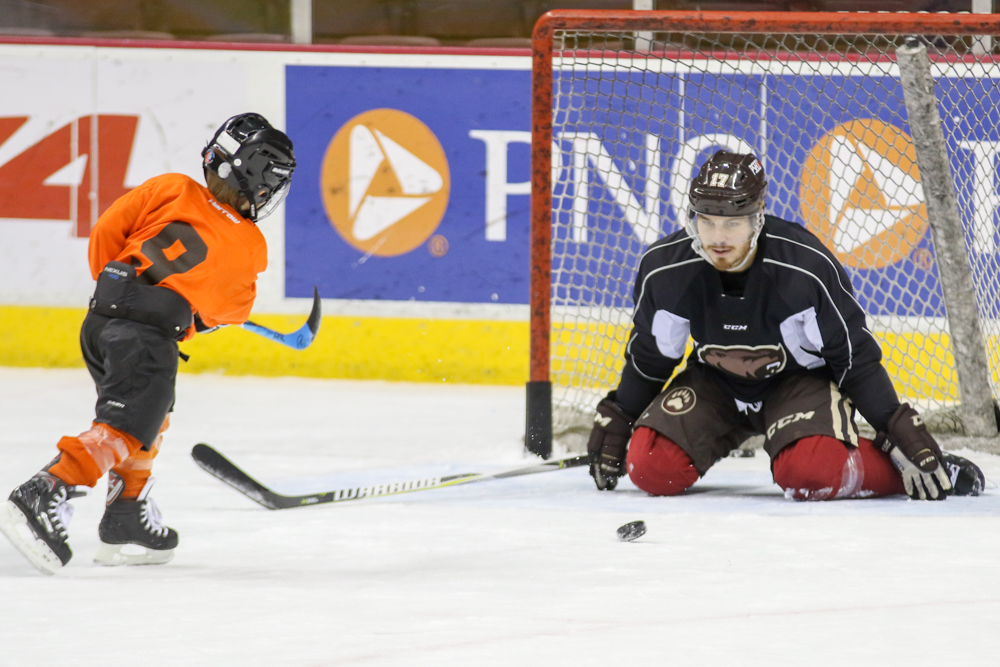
(826, 115)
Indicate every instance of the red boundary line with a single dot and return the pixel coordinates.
(251, 46)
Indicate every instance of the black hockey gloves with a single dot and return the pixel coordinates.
(608, 444)
(916, 455)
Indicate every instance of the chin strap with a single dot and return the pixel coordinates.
(750, 252)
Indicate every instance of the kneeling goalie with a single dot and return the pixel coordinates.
(781, 349)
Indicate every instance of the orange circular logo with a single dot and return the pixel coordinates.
(385, 182)
(861, 194)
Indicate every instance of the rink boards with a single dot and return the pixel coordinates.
(423, 270)
(448, 309)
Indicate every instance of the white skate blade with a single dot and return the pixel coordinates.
(131, 554)
(14, 525)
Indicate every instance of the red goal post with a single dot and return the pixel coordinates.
(726, 77)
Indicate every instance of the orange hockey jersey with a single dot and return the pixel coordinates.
(178, 236)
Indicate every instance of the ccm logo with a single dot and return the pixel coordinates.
(790, 419)
(734, 327)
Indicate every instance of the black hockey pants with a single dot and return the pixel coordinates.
(134, 366)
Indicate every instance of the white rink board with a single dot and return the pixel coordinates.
(179, 99)
(179, 96)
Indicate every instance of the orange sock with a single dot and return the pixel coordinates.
(84, 459)
(135, 470)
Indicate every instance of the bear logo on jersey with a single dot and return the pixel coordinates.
(747, 363)
(679, 401)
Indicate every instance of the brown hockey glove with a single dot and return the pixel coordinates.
(916, 455)
(608, 444)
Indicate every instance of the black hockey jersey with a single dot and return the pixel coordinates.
(796, 313)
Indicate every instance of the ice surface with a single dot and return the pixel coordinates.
(524, 571)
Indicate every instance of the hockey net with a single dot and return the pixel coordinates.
(629, 105)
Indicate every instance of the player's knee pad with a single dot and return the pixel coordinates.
(657, 465)
(881, 476)
(819, 467)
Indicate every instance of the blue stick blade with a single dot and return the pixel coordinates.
(297, 340)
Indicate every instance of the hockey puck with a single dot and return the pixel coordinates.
(740, 453)
(632, 531)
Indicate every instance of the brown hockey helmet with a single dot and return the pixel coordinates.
(729, 184)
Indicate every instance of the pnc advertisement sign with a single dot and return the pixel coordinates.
(412, 184)
(847, 171)
(413, 181)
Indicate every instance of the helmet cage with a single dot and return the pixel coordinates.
(273, 200)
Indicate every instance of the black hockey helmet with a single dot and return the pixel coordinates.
(729, 184)
(254, 159)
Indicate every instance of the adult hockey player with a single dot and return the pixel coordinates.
(780, 349)
(170, 258)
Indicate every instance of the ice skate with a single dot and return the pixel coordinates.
(966, 477)
(132, 531)
(35, 520)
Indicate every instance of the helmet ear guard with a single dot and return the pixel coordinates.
(254, 159)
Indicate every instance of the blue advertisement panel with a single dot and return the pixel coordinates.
(412, 184)
(838, 156)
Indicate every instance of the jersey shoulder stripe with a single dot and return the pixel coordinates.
(791, 243)
(670, 249)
